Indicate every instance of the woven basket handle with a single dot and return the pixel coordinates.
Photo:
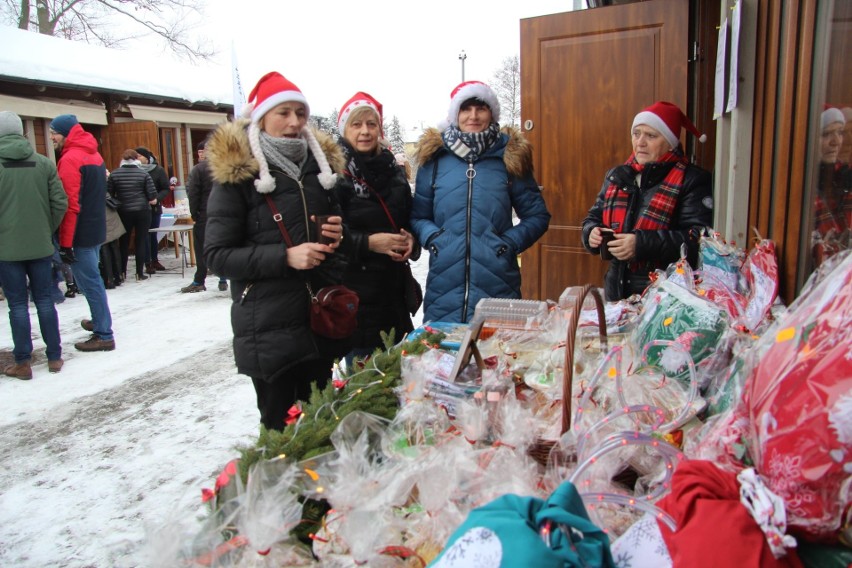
(578, 293)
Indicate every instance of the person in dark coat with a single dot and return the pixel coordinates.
(134, 189)
(376, 200)
(472, 177)
(148, 162)
(654, 204)
(198, 192)
(274, 157)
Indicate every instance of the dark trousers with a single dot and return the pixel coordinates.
(152, 237)
(111, 263)
(275, 399)
(137, 221)
(200, 263)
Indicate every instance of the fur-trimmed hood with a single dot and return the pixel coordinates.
(231, 159)
(517, 156)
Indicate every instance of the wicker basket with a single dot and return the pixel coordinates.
(541, 448)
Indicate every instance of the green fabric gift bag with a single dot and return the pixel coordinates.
(514, 531)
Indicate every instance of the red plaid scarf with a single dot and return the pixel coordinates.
(658, 215)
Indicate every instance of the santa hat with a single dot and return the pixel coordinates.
(358, 100)
(471, 90)
(829, 115)
(271, 90)
(668, 119)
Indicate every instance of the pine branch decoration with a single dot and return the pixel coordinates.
(368, 389)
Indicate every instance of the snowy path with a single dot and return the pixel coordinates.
(123, 441)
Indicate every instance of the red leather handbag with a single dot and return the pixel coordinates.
(334, 311)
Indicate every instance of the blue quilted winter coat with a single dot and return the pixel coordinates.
(464, 219)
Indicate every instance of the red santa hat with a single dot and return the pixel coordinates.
(271, 90)
(668, 119)
(358, 100)
(830, 115)
(471, 90)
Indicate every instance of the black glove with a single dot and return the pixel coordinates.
(67, 255)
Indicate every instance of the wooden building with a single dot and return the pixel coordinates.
(586, 73)
(125, 99)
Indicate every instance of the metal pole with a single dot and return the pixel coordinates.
(462, 57)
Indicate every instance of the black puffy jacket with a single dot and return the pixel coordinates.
(378, 280)
(132, 186)
(161, 184)
(243, 243)
(654, 249)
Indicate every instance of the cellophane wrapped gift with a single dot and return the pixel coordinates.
(720, 260)
(760, 275)
(798, 401)
(673, 313)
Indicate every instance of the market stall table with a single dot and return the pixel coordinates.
(178, 232)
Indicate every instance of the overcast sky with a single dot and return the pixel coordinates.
(404, 54)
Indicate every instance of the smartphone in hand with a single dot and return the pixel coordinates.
(607, 235)
(320, 221)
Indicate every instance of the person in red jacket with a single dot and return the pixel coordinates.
(83, 229)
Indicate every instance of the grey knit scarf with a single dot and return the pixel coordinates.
(287, 153)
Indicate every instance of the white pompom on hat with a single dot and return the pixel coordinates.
(668, 119)
(358, 100)
(471, 90)
(271, 90)
(830, 115)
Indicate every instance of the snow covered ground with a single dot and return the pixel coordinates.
(121, 442)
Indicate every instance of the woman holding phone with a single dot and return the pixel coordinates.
(651, 206)
(273, 175)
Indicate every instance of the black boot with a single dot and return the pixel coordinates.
(71, 290)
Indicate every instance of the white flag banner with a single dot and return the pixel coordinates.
(239, 96)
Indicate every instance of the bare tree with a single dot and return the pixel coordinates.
(95, 21)
(507, 87)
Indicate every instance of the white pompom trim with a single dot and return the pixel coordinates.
(327, 178)
(266, 183)
(702, 138)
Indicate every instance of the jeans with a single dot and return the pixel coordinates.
(40, 274)
(89, 281)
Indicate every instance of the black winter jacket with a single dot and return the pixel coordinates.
(654, 249)
(198, 191)
(161, 184)
(243, 243)
(132, 187)
(378, 280)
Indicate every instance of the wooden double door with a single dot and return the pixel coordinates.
(584, 76)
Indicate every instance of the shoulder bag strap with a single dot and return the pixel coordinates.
(379, 197)
(276, 216)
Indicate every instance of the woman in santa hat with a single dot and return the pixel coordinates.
(650, 207)
(267, 168)
(376, 200)
(472, 176)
